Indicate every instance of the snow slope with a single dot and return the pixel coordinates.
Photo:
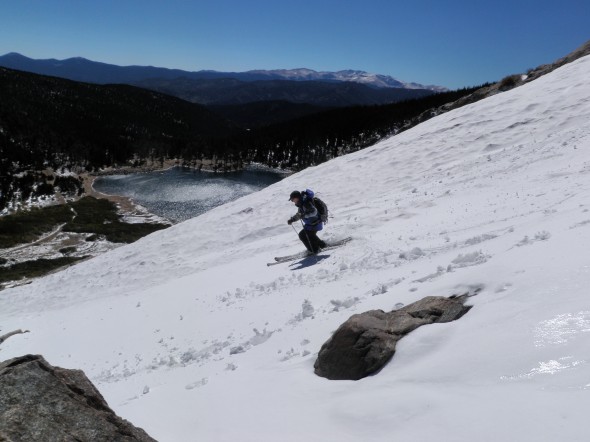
(189, 335)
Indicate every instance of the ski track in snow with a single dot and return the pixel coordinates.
(187, 328)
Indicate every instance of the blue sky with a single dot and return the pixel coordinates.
(450, 43)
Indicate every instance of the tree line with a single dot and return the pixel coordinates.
(313, 139)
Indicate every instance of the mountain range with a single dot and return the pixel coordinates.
(326, 89)
(82, 69)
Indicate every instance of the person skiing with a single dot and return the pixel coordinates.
(312, 222)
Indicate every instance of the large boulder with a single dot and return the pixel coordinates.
(39, 402)
(366, 342)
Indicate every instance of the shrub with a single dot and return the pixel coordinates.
(509, 82)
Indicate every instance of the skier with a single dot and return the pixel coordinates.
(312, 222)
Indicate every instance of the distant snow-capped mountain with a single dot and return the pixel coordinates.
(355, 76)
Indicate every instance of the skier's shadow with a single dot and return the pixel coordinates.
(308, 261)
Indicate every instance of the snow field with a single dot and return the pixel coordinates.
(189, 335)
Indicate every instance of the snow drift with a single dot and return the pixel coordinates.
(190, 336)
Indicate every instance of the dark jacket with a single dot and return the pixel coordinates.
(308, 212)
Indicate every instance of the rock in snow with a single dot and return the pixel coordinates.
(40, 402)
(366, 342)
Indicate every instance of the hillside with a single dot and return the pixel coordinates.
(264, 113)
(94, 123)
(226, 91)
(190, 336)
(312, 139)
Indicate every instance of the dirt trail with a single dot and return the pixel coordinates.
(43, 239)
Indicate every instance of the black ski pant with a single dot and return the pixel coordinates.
(311, 241)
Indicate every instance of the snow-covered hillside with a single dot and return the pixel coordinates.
(189, 335)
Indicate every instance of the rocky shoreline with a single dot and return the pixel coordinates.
(127, 207)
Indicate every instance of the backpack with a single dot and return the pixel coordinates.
(319, 205)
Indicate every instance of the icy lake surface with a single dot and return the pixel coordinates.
(179, 194)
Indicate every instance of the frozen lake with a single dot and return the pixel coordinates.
(179, 194)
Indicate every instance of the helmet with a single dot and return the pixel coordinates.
(294, 194)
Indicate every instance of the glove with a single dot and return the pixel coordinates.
(290, 222)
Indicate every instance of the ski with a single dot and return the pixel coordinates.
(301, 255)
(282, 259)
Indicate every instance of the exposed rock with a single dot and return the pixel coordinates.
(39, 402)
(366, 342)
